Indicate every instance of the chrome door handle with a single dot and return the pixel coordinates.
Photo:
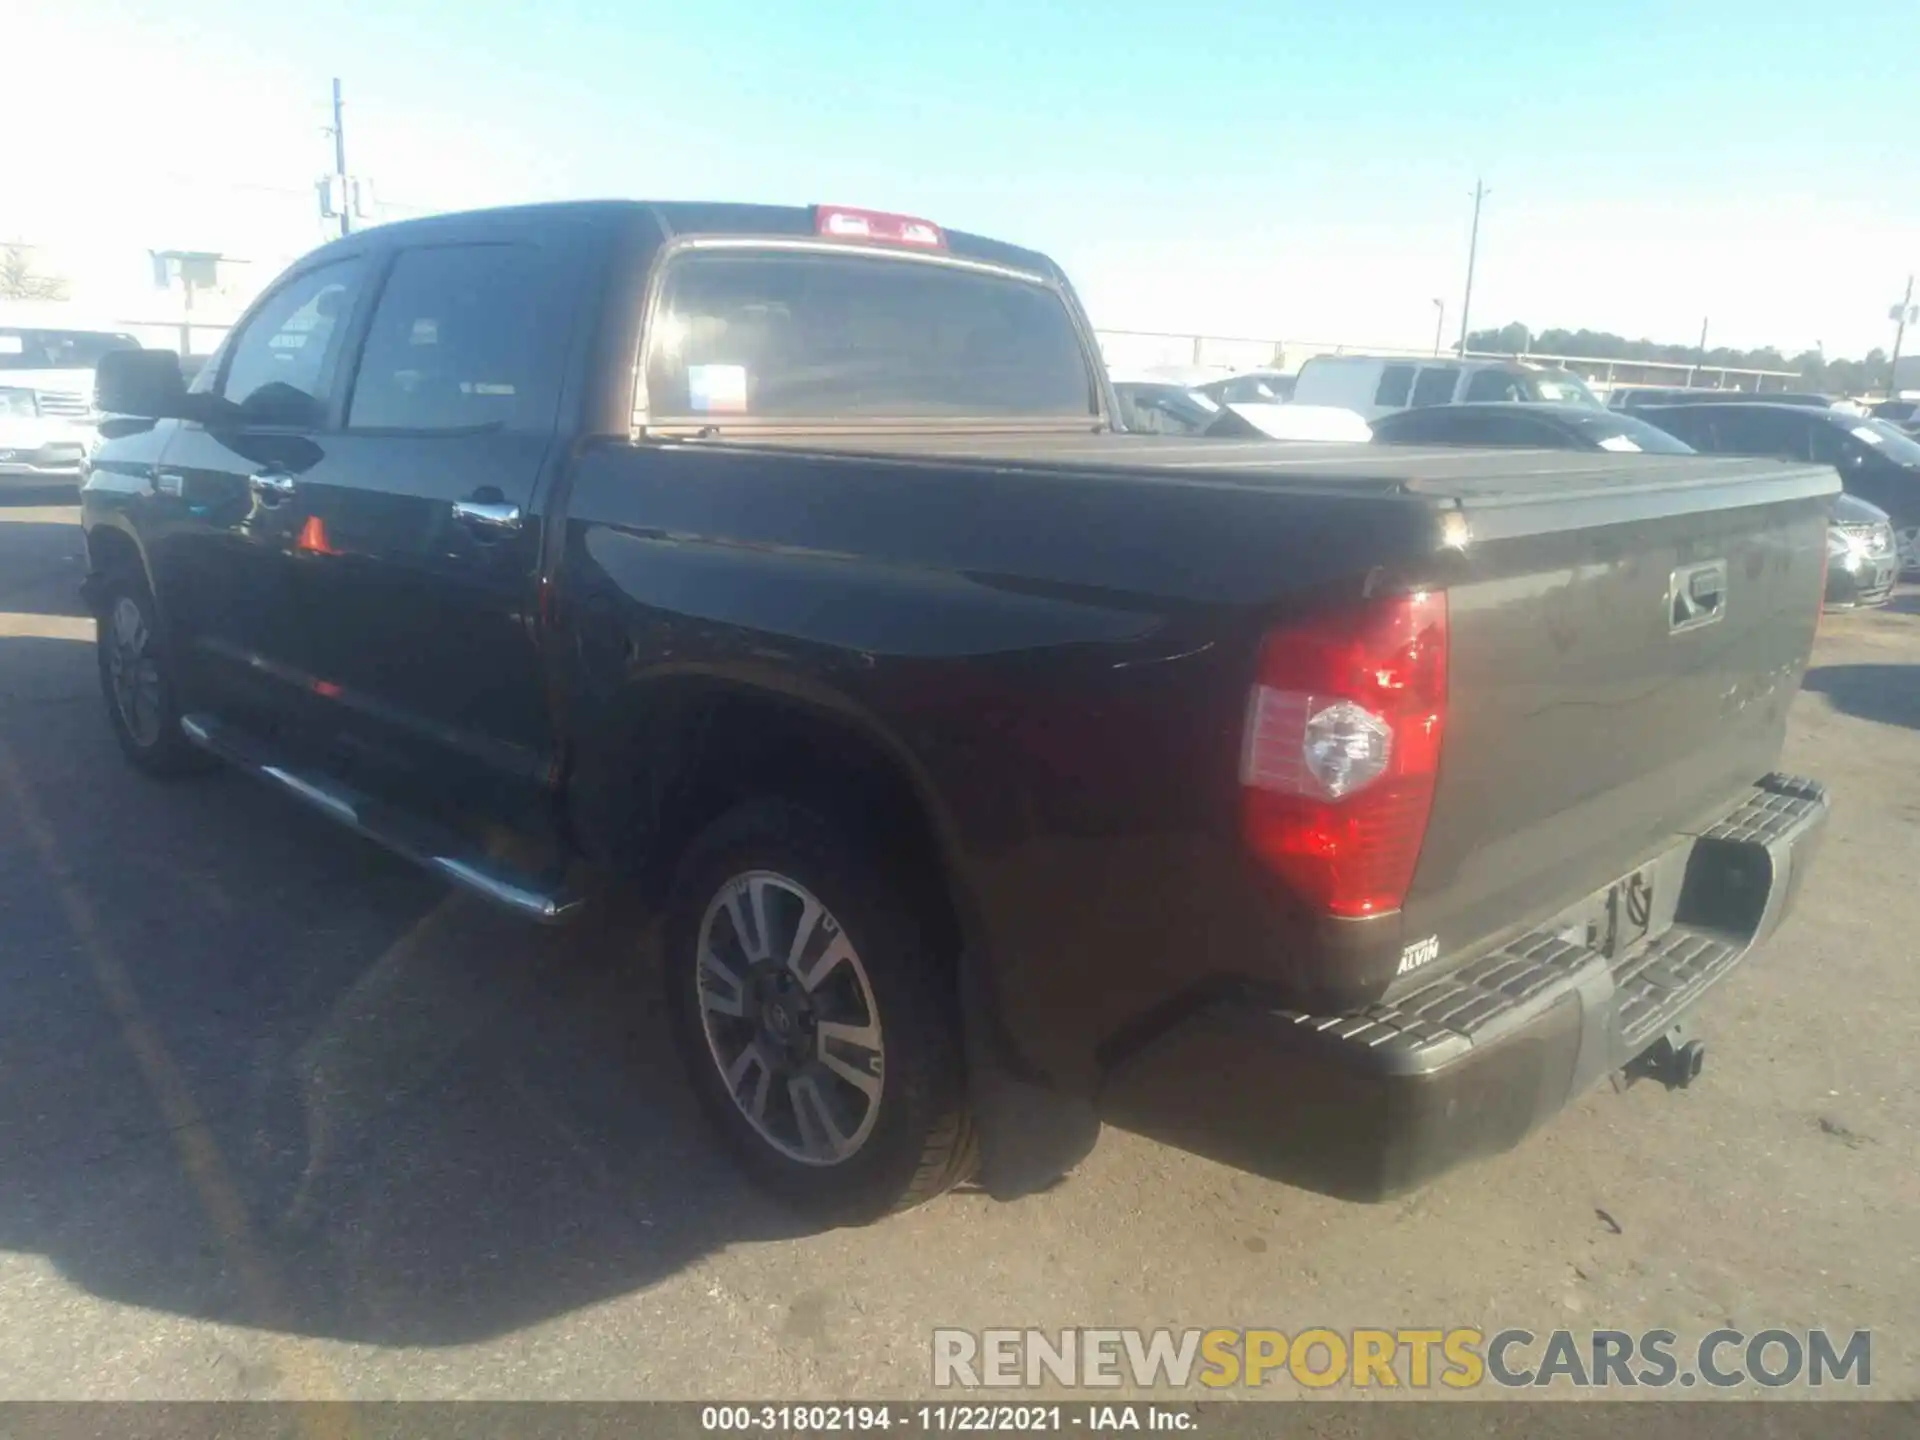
(272, 486)
(488, 515)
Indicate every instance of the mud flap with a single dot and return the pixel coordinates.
(1030, 1135)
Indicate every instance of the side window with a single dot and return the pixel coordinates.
(1395, 382)
(1435, 385)
(1493, 385)
(1495, 430)
(1536, 435)
(1764, 432)
(454, 343)
(279, 368)
(1828, 448)
(1691, 426)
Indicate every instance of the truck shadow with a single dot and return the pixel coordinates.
(1888, 694)
(41, 564)
(261, 1073)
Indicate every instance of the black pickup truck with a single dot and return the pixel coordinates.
(1339, 811)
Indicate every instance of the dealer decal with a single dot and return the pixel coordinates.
(1421, 952)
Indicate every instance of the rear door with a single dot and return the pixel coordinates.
(420, 559)
(229, 500)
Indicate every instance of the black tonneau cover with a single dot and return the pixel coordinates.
(1438, 471)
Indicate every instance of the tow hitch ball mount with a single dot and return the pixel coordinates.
(1675, 1060)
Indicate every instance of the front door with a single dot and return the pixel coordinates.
(228, 496)
(419, 553)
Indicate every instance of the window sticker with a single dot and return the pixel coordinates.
(717, 389)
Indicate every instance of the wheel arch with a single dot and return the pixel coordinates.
(686, 745)
(637, 795)
(114, 549)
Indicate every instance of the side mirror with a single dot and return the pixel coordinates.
(147, 384)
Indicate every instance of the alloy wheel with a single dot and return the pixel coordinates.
(134, 672)
(788, 1012)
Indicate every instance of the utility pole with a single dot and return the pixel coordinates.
(1439, 322)
(340, 160)
(1480, 192)
(1700, 357)
(1901, 316)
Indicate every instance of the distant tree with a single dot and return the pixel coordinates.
(1507, 340)
(20, 280)
(1812, 368)
(1815, 371)
(1860, 377)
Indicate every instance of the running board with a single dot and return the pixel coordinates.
(409, 836)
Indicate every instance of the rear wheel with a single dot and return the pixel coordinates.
(815, 1020)
(137, 682)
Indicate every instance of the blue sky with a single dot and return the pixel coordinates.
(1268, 169)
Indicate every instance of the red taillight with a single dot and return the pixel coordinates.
(838, 222)
(1342, 749)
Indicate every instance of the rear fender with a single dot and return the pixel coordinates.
(650, 754)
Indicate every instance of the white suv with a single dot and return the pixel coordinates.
(47, 420)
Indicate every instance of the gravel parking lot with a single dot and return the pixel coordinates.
(280, 1117)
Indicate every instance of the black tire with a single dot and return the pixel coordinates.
(153, 740)
(922, 1141)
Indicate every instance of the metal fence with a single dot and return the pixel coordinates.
(1159, 349)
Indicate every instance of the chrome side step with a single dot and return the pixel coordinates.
(409, 836)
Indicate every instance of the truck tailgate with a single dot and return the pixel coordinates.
(1623, 650)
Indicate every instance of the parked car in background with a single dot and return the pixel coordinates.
(1294, 421)
(46, 401)
(1626, 397)
(1877, 461)
(1150, 405)
(1160, 407)
(1862, 564)
(1862, 555)
(1806, 398)
(1903, 413)
(1251, 387)
(1539, 427)
(1372, 386)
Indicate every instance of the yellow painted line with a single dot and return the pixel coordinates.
(199, 1153)
(24, 625)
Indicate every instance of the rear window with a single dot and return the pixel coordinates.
(745, 335)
